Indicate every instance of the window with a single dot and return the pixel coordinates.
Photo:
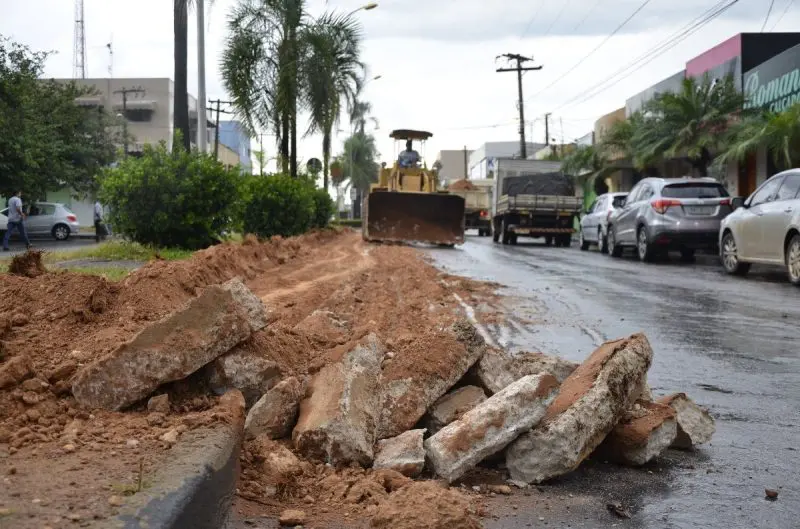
(601, 204)
(790, 187)
(766, 193)
(634, 194)
(618, 202)
(693, 190)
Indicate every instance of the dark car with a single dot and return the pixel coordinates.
(663, 214)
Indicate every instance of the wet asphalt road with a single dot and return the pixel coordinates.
(731, 344)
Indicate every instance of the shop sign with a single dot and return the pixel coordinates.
(775, 84)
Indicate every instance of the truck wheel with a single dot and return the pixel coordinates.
(566, 241)
(513, 239)
(548, 240)
(504, 234)
(496, 234)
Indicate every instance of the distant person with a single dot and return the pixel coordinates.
(409, 157)
(16, 218)
(99, 226)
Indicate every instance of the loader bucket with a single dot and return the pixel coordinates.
(435, 218)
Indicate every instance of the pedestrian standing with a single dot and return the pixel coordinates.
(16, 220)
(99, 226)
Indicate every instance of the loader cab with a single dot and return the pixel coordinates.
(410, 171)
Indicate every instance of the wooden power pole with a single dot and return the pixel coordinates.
(520, 60)
(218, 111)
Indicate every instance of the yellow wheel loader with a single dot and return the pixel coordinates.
(405, 205)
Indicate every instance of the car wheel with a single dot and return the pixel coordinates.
(730, 257)
(793, 260)
(614, 249)
(602, 241)
(644, 249)
(60, 232)
(584, 244)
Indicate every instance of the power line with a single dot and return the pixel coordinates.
(558, 16)
(650, 55)
(534, 17)
(769, 12)
(785, 10)
(586, 16)
(610, 35)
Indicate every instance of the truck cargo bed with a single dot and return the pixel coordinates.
(565, 205)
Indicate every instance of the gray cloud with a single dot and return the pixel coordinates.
(479, 20)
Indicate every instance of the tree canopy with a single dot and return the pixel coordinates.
(47, 141)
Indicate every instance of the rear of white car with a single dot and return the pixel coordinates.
(765, 229)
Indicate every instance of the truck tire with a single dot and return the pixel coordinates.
(566, 241)
(548, 241)
(495, 232)
(505, 235)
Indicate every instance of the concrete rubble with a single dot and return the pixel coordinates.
(490, 426)
(14, 371)
(695, 424)
(452, 406)
(589, 404)
(245, 370)
(643, 434)
(405, 400)
(498, 368)
(404, 454)
(171, 349)
(275, 414)
(257, 313)
(338, 418)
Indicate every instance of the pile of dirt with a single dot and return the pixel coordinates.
(462, 185)
(28, 264)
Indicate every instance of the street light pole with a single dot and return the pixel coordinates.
(202, 130)
(367, 7)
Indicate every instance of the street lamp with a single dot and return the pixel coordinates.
(367, 7)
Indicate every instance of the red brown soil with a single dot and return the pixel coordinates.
(425, 505)
(28, 264)
(59, 321)
(462, 185)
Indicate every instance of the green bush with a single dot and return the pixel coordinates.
(181, 199)
(323, 208)
(278, 205)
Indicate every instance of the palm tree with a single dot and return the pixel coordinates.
(332, 75)
(359, 115)
(779, 133)
(359, 164)
(690, 123)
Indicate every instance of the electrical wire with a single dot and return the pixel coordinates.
(785, 10)
(558, 17)
(769, 12)
(586, 16)
(585, 57)
(652, 54)
(534, 17)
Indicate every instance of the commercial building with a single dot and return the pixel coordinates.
(764, 66)
(452, 164)
(234, 135)
(481, 164)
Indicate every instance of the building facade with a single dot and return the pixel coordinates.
(452, 164)
(481, 163)
(233, 135)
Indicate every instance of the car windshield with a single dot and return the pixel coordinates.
(694, 191)
(619, 201)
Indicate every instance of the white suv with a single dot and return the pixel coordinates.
(765, 228)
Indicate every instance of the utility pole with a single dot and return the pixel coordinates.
(202, 130)
(466, 171)
(520, 60)
(547, 129)
(218, 102)
(125, 91)
(561, 122)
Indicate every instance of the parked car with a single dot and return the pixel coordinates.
(663, 214)
(46, 218)
(594, 225)
(765, 229)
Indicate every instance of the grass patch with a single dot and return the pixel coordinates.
(118, 251)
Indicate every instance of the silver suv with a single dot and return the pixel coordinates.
(594, 225)
(663, 214)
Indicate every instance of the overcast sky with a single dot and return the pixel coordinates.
(436, 57)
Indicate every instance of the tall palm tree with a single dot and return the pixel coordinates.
(180, 30)
(690, 123)
(360, 114)
(779, 133)
(332, 75)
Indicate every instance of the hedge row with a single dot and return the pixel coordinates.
(190, 200)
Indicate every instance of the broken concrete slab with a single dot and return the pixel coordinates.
(323, 326)
(338, 418)
(589, 404)
(452, 406)
(404, 453)
(257, 314)
(498, 368)
(275, 414)
(411, 384)
(490, 426)
(278, 465)
(245, 369)
(644, 432)
(168, 350)
(695, 424)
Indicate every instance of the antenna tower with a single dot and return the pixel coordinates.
(79, 46)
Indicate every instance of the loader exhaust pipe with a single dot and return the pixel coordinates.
(435, 218)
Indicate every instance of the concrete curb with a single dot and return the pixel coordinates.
(194, 489)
